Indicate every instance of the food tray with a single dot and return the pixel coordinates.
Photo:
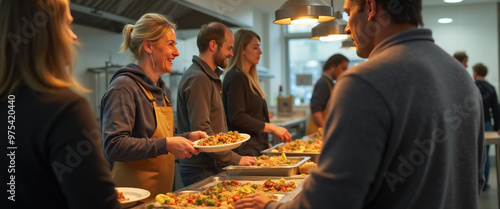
(279, 197)
(210, 181)
(314, 155)
(267, 170)
(201, 185)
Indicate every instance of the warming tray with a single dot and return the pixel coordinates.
(201, 185)
(267, 170)
(210, 181)
(314, 155)
(279, 198)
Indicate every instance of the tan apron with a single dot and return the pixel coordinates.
(312, 126)
(154, 174)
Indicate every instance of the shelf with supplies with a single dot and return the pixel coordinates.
(101, 77)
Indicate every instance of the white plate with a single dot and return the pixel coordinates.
(224, 147)
(134, 195)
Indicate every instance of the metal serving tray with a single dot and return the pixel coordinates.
(314, 155)
(267, 170)
(201, 185)
(279, 197)
(213, 180)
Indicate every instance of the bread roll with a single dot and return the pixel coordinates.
(307, 167)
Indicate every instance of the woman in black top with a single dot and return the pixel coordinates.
(55, 153)
(243, 98)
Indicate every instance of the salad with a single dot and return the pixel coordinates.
(221, 139)
(121, 197)
(300, 146)
(281, 160)
(222, 195)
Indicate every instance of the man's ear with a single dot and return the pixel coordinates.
(212, 45)
(372, 9)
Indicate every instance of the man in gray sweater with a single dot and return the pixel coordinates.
(404, 129)
(199, 103)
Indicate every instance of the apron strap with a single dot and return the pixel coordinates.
(151, 98)
(328, 82)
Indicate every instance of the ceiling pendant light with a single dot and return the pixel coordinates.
(303, 12)
(333, 30)
(348, 44)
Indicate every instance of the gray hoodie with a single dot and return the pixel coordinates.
(128, 118)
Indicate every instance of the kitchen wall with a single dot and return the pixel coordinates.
(98, 46)
(475, 30)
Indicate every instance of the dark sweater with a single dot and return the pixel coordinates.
(59, 160)
(199, 107)
(321, 93)
(404, 130)
(490, 103)
(246, 112)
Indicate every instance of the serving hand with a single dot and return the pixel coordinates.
(195, 135)
(181, 147)
(282, 133)
(252, 201)
(247, 160)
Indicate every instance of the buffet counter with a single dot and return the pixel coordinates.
(213, 180)
(492, 138)
(295, 124)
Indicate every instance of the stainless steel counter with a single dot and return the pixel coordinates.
(198, 187)
(295, 124)
(492, 138)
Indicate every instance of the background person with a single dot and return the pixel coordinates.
(413, 150)
(59, 161)
(490, 109)
(333, 67)
(462, 57)
(137, 116)
(244, 101)
(199, 103)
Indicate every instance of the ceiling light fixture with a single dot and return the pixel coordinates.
(452, 1)
(348, 44)
(303, 12)
(333, 30)
(445, 20)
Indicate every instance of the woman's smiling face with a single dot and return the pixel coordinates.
(165, 51)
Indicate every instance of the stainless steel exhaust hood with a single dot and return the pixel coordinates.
(112, 15)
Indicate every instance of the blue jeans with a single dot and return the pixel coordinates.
(191, 175)
(487, 127)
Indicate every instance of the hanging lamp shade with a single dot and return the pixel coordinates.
(348, 44)
(303, 12)
(333, 30)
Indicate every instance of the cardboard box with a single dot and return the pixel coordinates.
(285, 106)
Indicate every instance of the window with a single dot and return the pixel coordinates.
(305, 59)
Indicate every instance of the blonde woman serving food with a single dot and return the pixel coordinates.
(137, 115)
(244, 101)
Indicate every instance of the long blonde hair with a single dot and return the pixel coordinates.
(35, 47)
(150, 26)
(242, 38)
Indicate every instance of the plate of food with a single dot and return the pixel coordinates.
(128, 196)
(221, 141)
